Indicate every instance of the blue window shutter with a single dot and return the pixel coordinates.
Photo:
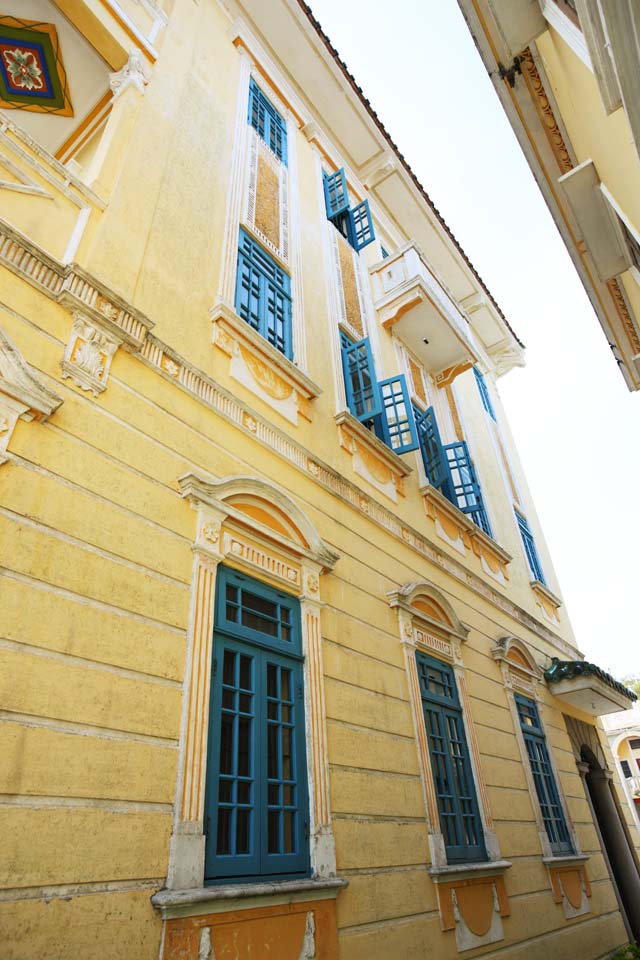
(433, 456)
(543, 776)
(263, 296)
(256, 802)
(397, 415)
(360, 226)
(458, 810)
(465, 487)
(484, 393)
(336, 197)
(267, 122)
(363, 394)
(530, 549)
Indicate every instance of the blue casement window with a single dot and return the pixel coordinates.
(381, 405)
(256, 802)
(450, 469)
(543, 777)
(354, 223)
(384, 253)
(529, 545)
(452, 775)
(268, 123)
(263, 294)
(484, 393)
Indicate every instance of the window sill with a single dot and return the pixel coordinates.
(372, 459)
(466, 871)
(566, 859)
(262, 368)
(243, 896)
(461, 532)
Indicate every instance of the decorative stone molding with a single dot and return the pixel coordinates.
(88, 355)
(545, 111)
(133, 74)
(570, 884)
(256, 527)
(23, 393)
(261, 368)
(520, 672)
(473, 907)
(505, 356)
(372, 459)
(547, 601)
(74, 287)
(460, 532)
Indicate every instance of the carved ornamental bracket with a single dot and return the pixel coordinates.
(23, 393)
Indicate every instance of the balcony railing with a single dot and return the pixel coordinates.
(411, 299)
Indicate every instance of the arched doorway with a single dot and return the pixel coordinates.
(615, 843)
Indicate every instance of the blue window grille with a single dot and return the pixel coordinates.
(383, 406)
(354, 223)
(268, 123)
(543, 777)
(256, 802)
(263, 294)
(450, 469)
(484, 393)
(452, 774)
(530, 549)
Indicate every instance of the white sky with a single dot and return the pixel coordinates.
(574, 421)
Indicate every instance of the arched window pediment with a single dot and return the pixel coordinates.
(515, 654)
(427, 619)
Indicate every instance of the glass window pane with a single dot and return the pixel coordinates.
(245, 673)
(229, 668)
(244, 791)
(242, 830)
(272, 751)
(223, 846)
(272, 680)
(289, 819)
(244, 736)
(226, 744)
(274, 832)
(287, 764)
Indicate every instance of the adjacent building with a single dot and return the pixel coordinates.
(623, 733)
(285, 667)
(568, 76)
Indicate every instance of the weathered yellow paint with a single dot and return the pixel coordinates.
(114, 845)
(36, 761)
(97, 588)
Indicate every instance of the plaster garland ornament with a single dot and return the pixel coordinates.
(88, 355)
(133, 74)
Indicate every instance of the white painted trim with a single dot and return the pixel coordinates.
(571, 34)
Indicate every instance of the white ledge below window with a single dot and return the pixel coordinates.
(372, 459)
(566, 860)
(260, 367)
(217, 899)
(465, 871)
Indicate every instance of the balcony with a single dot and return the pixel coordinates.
(587, 687)
(633, 786)
(412, 302)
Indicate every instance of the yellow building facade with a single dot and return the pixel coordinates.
(568, 75)
(286, 672)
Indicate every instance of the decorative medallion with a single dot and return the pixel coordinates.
(32, 75)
